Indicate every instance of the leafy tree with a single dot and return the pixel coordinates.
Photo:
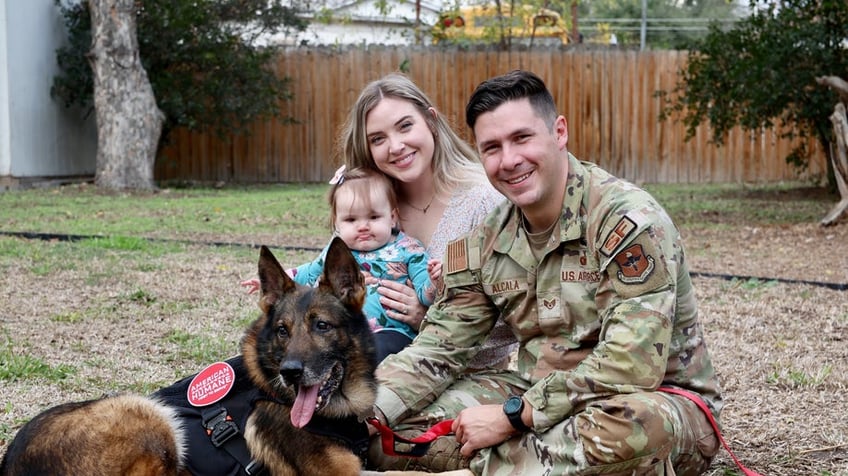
(204, 59)
(679, 26)
(762, 73)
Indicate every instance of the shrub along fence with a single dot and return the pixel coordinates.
(607, 96)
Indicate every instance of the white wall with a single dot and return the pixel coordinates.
(40, 137)
(5, 150)
(357, 34)
(361, 22)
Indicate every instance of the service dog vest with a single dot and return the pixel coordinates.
(203, 457)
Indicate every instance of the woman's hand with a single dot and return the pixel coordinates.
(401, 302)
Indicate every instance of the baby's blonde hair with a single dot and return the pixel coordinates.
(361, 182)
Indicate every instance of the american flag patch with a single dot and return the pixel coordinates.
(457, 257)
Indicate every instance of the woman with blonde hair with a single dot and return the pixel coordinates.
(441, 187)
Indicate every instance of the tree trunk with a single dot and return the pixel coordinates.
(128, 121)
(839, 157)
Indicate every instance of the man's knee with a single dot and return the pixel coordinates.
(644, 430)
(635, 428)
(442, 455)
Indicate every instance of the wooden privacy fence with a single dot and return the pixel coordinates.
(607, 97)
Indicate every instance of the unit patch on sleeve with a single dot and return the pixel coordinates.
(622, 230)
(634, 266)
(639, 268)
(456, 256)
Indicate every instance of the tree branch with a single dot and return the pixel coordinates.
(839, 118)
(837, 84)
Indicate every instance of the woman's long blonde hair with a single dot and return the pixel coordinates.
(454, 161)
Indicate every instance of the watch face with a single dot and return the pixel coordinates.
(512, 405)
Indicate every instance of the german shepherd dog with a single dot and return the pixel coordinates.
(308, 358)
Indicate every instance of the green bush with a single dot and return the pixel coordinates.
(203, 59)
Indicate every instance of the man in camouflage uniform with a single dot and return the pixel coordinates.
(589, 272)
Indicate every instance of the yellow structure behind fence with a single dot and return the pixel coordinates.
(529, 25)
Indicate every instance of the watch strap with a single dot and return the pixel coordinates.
(515, 418)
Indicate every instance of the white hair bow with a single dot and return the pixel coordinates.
(338, 177)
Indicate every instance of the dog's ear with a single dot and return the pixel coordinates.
(274, 282)
(342, 276)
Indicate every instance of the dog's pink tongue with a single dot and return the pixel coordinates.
(304, 405)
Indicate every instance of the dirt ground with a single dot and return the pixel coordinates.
(780, 347)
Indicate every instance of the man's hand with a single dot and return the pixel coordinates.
(378, 414)
(481, 427)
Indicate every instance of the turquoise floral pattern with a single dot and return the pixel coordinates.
(402, 260)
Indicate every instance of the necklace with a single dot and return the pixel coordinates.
(426, 207)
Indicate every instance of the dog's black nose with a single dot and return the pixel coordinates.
(291, 370)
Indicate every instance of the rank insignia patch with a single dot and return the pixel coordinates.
(634, 266)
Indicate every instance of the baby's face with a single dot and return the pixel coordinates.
(363, 226)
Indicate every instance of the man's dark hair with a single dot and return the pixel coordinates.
(512, 86)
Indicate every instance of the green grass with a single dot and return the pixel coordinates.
(140, 296)
(102, 257)
(301, 210)
(201, 349)
(123, 224)
(752, 285)
(71, 317)
(796, 378)
(86, 210)
(131, 230)
(730, 204)
(15, 365)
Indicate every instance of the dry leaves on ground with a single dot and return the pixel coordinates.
(780, 348)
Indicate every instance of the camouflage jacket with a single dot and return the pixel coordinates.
(609, 309)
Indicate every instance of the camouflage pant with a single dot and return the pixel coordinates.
(642, 433)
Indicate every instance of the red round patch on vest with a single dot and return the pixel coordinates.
(211, 385)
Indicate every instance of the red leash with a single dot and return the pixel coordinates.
(703, 406)
(421, 444)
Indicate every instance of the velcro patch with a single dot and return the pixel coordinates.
(506, 286)
(211, 385)
(639, 268)
(456, 255)
(634, 266)
(619, 233)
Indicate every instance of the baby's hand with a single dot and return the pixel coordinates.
(434, 269)
(252, 285)
(369, 278)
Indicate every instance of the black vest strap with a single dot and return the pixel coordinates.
(225, 433)
(215, 434)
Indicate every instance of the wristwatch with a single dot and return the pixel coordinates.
(513, 406)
